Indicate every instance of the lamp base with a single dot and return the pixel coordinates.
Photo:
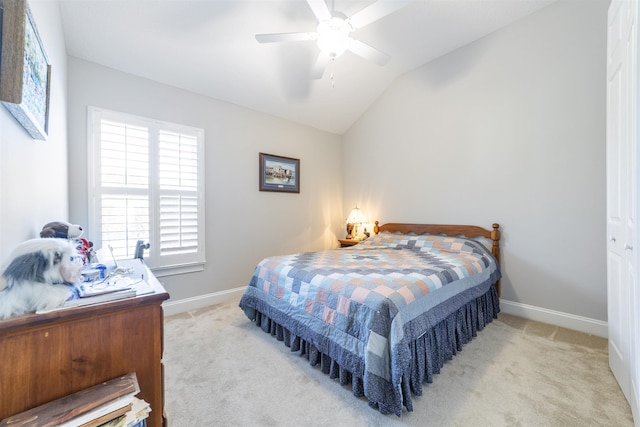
(349, 231)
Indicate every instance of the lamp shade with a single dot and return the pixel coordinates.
(356, 217)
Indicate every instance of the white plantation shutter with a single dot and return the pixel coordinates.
(124, 186)
(178, 178)
(147, 184)
(125, 220)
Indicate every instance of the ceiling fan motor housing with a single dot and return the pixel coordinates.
(333, 35)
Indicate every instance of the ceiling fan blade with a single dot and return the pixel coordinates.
(319, 66)
(320, 9)
(285, 37)
(367, 52)
(377, 10)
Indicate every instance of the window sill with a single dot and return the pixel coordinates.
(173, 270)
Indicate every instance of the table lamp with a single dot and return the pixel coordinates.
(355, 218)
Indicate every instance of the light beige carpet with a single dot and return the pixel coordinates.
(221, 370)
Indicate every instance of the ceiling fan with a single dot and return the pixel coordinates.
(332, 32)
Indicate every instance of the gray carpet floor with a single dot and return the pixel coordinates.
(221, 370)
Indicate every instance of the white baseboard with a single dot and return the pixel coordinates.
(558, 318)
(194, 303)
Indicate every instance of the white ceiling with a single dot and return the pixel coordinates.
(208, 47)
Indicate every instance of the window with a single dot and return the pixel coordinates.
(146, 182)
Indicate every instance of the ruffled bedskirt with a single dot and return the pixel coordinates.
(429, 352)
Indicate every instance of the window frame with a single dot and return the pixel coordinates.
(160, 265)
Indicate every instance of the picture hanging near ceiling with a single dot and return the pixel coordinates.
(25, 72)
(279, 173)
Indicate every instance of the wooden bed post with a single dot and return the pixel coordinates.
(495, 249)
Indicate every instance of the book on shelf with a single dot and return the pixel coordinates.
(87, 408)
(139, 412)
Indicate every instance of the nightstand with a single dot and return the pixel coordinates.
(348, 242)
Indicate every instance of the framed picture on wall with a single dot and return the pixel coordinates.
(25, 71)
(279, 173)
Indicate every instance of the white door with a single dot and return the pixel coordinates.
(633, 292)
(617, 137)
(622, 238)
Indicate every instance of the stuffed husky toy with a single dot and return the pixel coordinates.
(38, 276)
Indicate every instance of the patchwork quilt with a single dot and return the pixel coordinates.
(363, 305)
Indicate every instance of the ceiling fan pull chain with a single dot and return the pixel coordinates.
(333, 82)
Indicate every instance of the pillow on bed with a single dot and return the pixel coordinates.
(386, 239)
(423, 242)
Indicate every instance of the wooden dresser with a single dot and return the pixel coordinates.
(48, 356)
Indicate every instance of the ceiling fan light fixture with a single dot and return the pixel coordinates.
(333, 36)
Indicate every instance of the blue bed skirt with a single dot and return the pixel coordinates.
(428, 353)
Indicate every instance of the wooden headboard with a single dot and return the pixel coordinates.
(469, 231)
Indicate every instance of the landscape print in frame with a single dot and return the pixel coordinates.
(278, 173)
(25, 72)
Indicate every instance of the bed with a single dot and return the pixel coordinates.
(386, 314)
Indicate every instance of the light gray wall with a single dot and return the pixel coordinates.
(33, 174)
(509, 129)
(243, 225)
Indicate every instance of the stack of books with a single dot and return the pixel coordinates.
(109, 289)
(112, 403)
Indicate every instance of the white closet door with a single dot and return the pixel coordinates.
(622, 200)
(633, 293)
(617, 145)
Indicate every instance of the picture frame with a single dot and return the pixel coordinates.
(25, 71)
(279, 173)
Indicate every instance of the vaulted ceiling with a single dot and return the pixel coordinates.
(209, 47)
